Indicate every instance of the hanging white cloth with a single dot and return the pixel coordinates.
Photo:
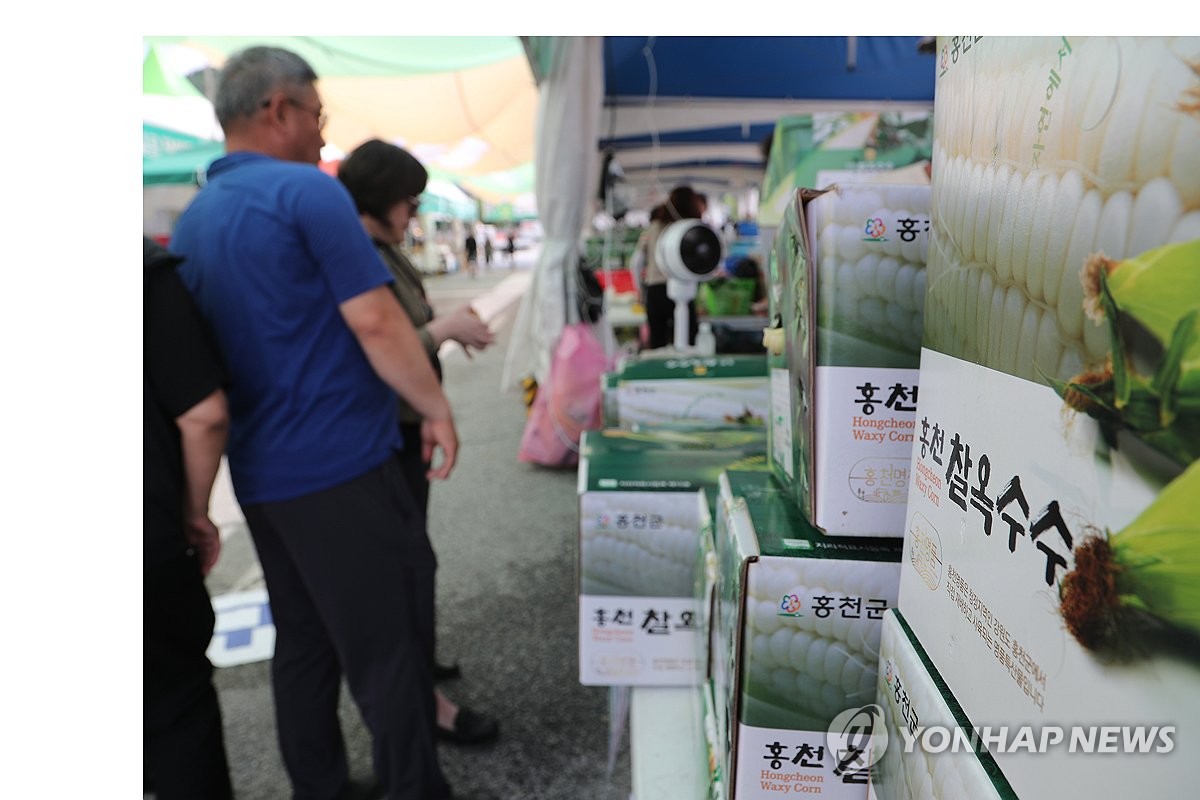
(571, 93)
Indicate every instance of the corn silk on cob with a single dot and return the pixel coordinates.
(908, 693)
(1150, 305)
(872, 245)
(1138, 589)
(805, 669)
(639, 543)
(1089, 147)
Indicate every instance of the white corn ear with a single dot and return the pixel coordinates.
(1119, 174)
(644, 561)
(873, 290)
(817, 666)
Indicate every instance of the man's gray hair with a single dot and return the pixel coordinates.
(251, 75)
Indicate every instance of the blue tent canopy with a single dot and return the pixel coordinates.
(699, 108)
(728, 133)
(762, 67)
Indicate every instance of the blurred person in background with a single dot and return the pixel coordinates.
(681, 203)
(472, 248)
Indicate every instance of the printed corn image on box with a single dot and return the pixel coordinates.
(1053, 155)
(1050, 563)
(795, 640)
(867, 144)
(852, 259)
(722, 390)
(914, 700)
(1052, 580)
(644, 503)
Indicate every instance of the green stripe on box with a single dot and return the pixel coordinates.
(782, 531)
(994, 773)
(688, 367)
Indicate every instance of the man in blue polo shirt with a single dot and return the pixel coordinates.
(317, 348)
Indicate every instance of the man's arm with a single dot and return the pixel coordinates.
(185, 373)
(203, 429)
(388, 338)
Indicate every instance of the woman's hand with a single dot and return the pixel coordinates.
(465, 327)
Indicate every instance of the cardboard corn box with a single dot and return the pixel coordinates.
(914, 701)
(852, 263)
(1040, 576)
(795, 640)
(643, 505)
(717, 391)
(1051, 553)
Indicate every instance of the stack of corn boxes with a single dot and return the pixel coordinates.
(851, 269)
(1050, 585)
(803, 563)
(672, 423)
(791, 620)
(644, 500)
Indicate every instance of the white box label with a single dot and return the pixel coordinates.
(638, 641)
(865, 418)
(774, 763)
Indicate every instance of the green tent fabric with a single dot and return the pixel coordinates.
(451, 207)
(505, 213)
(156, 80)
(180, 166)
(387, 56)
(506, 183)
(180, 158)
(158, 141)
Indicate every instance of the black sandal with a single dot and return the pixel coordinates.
(470, 728)
(445, 672)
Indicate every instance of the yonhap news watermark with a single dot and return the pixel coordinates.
(858, 738)
(1125, 739)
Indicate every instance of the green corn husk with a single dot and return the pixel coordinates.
(1139, 589)
(1157, 288)
(1159, 292)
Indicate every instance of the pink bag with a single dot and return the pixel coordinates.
(569, 402)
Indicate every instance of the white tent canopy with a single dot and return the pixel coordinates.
(464, 105)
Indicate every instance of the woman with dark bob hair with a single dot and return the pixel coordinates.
(386, 182)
